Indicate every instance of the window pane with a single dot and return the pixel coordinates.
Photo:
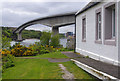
(84, 28)
(113, 23)
(99, 30)
(98, 26)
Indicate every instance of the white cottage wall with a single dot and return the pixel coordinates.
(118, 13)
(105, 53)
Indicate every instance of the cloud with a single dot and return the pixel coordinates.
(26, 7)
(45, 0)
(39, 27)
(69, 28)
(17, 13)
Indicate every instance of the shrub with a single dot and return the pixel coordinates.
(50, 48)
(65, 49)
(45, 38)
(20, 50)
(5, 42)
(55, 42)
(7, 60)
(39, 49)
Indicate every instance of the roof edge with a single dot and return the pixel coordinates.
(84, 9)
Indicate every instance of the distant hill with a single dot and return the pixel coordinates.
(26, 34)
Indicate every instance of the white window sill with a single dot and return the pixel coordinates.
(110, 42)
(98, 41)
(83, 40)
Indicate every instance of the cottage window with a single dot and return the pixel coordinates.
(98, 27)
(113, 22)
(110, 26)
(84, 29)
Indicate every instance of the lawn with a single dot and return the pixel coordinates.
(78, 72)
(33, 69)
(52, 55)
(43, 69)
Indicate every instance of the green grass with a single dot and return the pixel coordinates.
(33, 69)
(52, 55)
(77, 72)
(43, 69)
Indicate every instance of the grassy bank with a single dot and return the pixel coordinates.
(33, 69)
(52, 55)
(43, 69)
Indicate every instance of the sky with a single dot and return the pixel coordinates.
(16, 13)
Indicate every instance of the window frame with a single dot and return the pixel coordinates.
(112, 40)
(84, 29)
(97, 39)
(113, 24)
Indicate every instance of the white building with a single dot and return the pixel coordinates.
(98, 31)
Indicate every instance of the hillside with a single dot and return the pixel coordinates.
(26, 34)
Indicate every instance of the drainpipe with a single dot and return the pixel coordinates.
(75, 36)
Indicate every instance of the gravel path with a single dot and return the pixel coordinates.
(101, 66)
(67, 75)
(49, 59)
(58, 60)
(72, 55)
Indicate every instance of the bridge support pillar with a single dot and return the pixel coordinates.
(55, 30)
(19, 37)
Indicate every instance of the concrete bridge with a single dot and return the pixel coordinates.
(54, 21)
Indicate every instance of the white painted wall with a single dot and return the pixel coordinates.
(106, 53)
(118, 31)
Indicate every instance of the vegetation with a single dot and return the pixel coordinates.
(43, 69)
(62, 35)
(19, 50)
(29, 34)
(5, 42)
(7, 32)
(26, 34)
(6, 38)
(33, 69)
(33, 50)
(7, 60)
(48, 47)
(45, 38)
(78, 72)
(55, 42)
(48, 39)
(39, 49)
(0, 38)
(52, 55)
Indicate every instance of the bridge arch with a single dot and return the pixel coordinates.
(54, 21)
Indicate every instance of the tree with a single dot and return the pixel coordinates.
(45, 38)
(0, 38)
(5, 37)
(5, 42)
(55, 42)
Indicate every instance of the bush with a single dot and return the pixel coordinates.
(45, 38)
(19, 50)
(50, 48)
(55, 42)
(5, 42)
(39, 49)
(65, 49)
(7, 60)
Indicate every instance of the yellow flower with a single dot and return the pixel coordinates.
(0, 50)
(5, 52)
(46, 45)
